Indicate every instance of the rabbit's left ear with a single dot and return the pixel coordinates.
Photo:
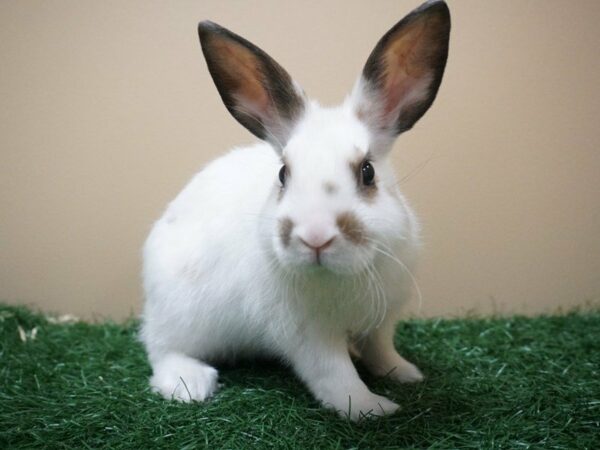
(403, 73)
(256, 90)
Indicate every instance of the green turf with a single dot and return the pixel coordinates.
(491, 383)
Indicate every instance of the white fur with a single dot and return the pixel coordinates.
(220, 284)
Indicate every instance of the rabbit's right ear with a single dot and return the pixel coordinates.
(256, 90)
(403, 73)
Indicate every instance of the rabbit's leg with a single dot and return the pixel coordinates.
(325, 366)
(378, 354)
(179, 377)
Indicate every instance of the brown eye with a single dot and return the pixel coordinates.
(368, 173)
(282, 172)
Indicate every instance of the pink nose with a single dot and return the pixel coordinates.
(317, 245)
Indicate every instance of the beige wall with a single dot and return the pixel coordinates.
(107, 109)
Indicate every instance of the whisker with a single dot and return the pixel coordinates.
(384, 297)
(416, 170)
(401, 264)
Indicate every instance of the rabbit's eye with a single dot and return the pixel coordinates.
(282, 172)
(368, 173)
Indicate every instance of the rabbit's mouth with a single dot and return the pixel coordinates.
(339, 257)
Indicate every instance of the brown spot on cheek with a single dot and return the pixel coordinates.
(352, 228)
(285, 230)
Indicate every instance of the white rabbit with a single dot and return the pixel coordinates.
(301, 246)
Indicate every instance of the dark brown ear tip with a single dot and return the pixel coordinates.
(207, 27)
(434, 7)
(436, 13)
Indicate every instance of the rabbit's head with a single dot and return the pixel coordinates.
(335, 201)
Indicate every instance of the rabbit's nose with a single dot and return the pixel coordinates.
(318, 245)
(316, 236)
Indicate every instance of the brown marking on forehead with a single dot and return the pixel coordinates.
(368, 193)
(330, 187)
(286, 225)
(352, 228)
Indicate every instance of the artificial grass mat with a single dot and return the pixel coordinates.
(491, 383)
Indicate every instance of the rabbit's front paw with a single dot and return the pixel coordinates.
(389, 364)
(181, 378)
(366, 406)
(362, 405)
(406, 372)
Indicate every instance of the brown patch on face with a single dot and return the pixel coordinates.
(330, 187)
(286, 225)
(367, 192)
(352, 228)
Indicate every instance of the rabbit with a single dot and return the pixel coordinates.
(299, 247)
